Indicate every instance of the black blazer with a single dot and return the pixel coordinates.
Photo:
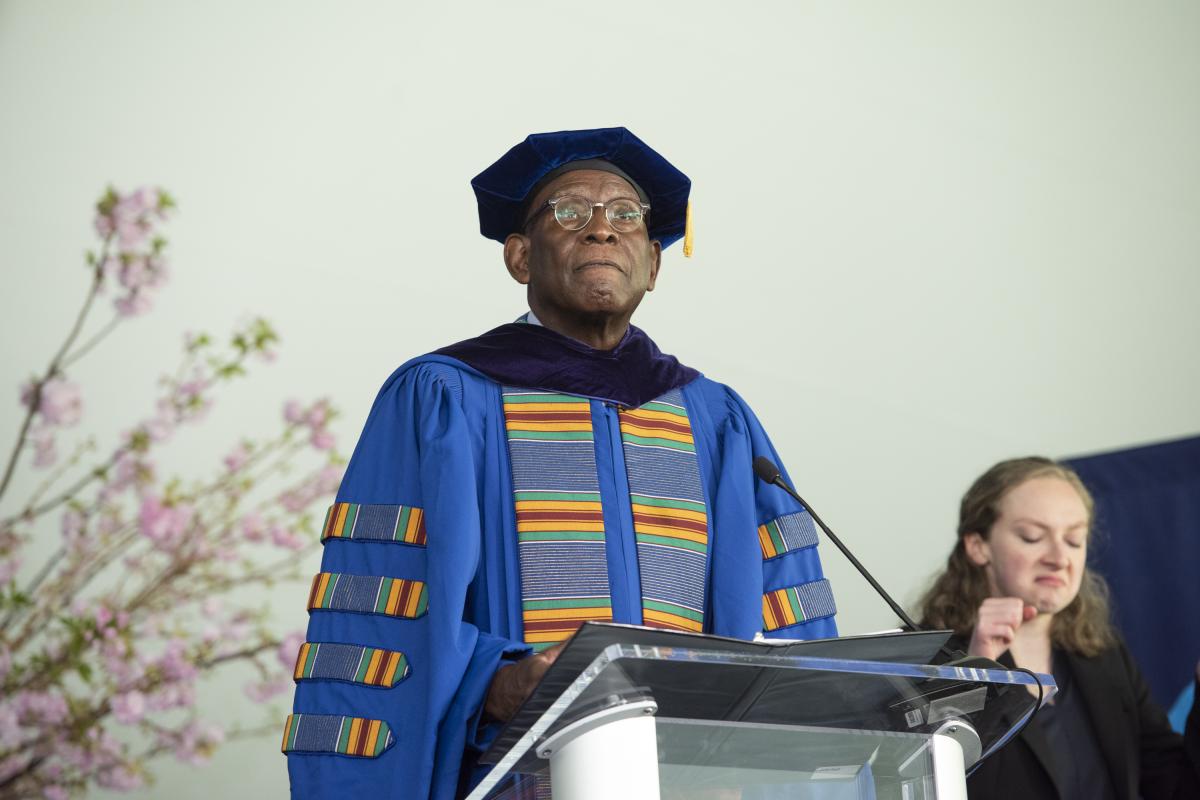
(1145, 758)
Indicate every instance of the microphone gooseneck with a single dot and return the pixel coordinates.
(766, 470)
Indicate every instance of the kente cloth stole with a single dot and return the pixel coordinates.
(560, 520)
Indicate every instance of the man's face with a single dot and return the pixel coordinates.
(593, 272)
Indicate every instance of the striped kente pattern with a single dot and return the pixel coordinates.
(368, 594)
(369, 666)
(787, 533)
(795, 604)
(560, 523)
(330, 733)
(670, 520)
(377, 523)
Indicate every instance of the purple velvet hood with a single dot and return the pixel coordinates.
(531, 356)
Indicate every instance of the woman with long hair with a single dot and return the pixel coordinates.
(1016, 589)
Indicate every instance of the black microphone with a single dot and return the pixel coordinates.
(770, 473)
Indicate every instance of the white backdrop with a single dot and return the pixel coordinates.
(928, 236)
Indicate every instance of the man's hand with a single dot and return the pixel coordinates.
(997, 623)
(514, 682)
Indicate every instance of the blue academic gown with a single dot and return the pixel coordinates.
(435, 441)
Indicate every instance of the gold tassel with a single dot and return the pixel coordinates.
(688, 245)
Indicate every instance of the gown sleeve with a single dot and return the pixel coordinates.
(390, 681)
(773, 541)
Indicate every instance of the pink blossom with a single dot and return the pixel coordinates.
(124, 671)
(237, 458)
(111, 268)
(289, 648)
(159, 272)
(108, 523)
(133, 304)
(130, 217)
(318, 415)
(120, 778)
(322, 439)
(330, 478)
(282, 537)
(44, 451)
(295, 500)
(197, 742)
(130, 469)
(103, 615)
(13, 764)
(49, 707)
(129, 708)
(164, 524)
(55, 792)
(131, 233)
(235, 629)
(254, 527)
(159, 427)
(175, 695)
(11, 732)
(8, 568)
(60, 402)
(74, 756)
(190, 390)
(134, 273)
(262, 691)
(143, 200)
(174, 663)
(114, 648)
(293, 412)
(104, 225)
(73, 525)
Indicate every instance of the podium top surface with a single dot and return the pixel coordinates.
(875, 683)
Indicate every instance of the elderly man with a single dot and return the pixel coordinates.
(551, 471)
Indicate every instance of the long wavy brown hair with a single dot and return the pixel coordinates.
(953, 600)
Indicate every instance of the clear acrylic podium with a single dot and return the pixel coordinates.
(648, 719)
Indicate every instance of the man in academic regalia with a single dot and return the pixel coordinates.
(553, 470)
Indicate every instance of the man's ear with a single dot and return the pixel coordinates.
(516, 257)
(656, 246)
(978, 551)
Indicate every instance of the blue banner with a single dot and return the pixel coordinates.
(1147, 545)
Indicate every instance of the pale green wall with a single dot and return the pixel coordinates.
(929, 235)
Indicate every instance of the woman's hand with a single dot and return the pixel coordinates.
(997, 623)
(514, 682)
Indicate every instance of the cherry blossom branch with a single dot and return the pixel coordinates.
(119, 623)
(35, 396)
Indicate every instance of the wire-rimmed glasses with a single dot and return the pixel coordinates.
(574, 213)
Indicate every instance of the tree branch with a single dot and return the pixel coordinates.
(55, 365)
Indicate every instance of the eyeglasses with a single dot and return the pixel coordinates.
(574, 213)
